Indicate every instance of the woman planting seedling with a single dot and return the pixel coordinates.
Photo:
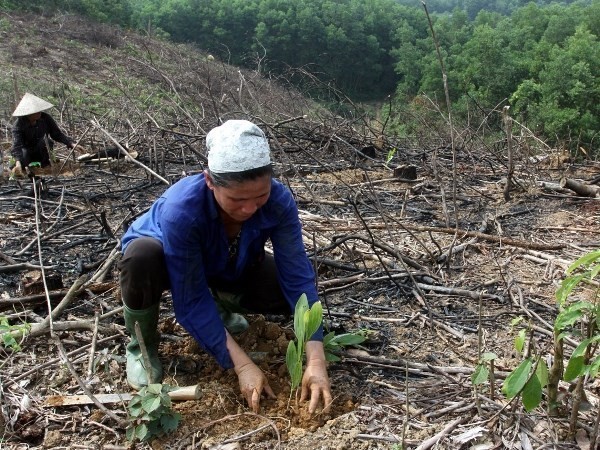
(204, 240)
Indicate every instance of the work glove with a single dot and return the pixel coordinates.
(252, 383)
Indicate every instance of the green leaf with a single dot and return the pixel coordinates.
(541, 372)
(585, 260)
(154, 428)
(532, 393)
(301, 308)
(594, 367)
(331, 357)
(291, 355)
(594, 272)
(151, 403)
(516, 379)
(295, 375)
(141, 432)
(328, 338)
(169, 422)
(571, 314)
(135, 410)
(575, 368)
(488, 356)
(516, 321)
(130, 433)
(480, 375)
(580, 349)
(520, 341)
(165, 400)
(349, 339)
(566, 287)
(294, 365)
(314, 319)
(154, 388)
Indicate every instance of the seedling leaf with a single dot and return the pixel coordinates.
(314, 319)
(154, 388)
(566, 288)
(532, 393)
(488, 356)
(480, 375)
(585, 260)
(520, 340)
(542, 372)
(575, 368)
(169, 422)
(348, 339)
(571, 314)
(150, 403)
(516, 380)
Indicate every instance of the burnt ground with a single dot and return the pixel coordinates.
(433, 269)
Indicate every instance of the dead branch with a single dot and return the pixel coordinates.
(23, 266)
(435, 439)
(489, 237)
(126, 153)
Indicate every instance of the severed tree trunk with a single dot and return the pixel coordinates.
(584, 190)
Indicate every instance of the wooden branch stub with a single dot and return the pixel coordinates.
(406, 172)
(180, 394)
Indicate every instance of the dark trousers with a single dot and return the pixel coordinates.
(144, 277)
(40, 153)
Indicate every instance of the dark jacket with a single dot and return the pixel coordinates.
(27, 135)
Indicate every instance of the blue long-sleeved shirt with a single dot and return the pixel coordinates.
(186, 220)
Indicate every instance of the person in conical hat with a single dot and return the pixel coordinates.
(204, 240)
(34, 133)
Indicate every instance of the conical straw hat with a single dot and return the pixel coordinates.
(30, 104)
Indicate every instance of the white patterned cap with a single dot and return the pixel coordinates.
(237, 146)
(30, 104)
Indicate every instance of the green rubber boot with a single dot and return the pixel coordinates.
(136, 371)
(227, 303)
(234, 322)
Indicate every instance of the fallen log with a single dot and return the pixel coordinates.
(581, 189)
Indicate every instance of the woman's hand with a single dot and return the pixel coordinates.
(252, 383)
(252, 380)
(315, 381)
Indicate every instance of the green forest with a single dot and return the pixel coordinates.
(541, 59)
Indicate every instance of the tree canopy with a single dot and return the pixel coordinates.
(540, 58)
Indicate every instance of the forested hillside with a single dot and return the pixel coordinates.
(542, 60)
(443, 246)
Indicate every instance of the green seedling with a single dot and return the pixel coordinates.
(10, 333)
(483, 369)
(530, 376)
(390, 155)
(579, 318)
(335, 344)
(150, 413)
(578, 299)
(306, 322)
